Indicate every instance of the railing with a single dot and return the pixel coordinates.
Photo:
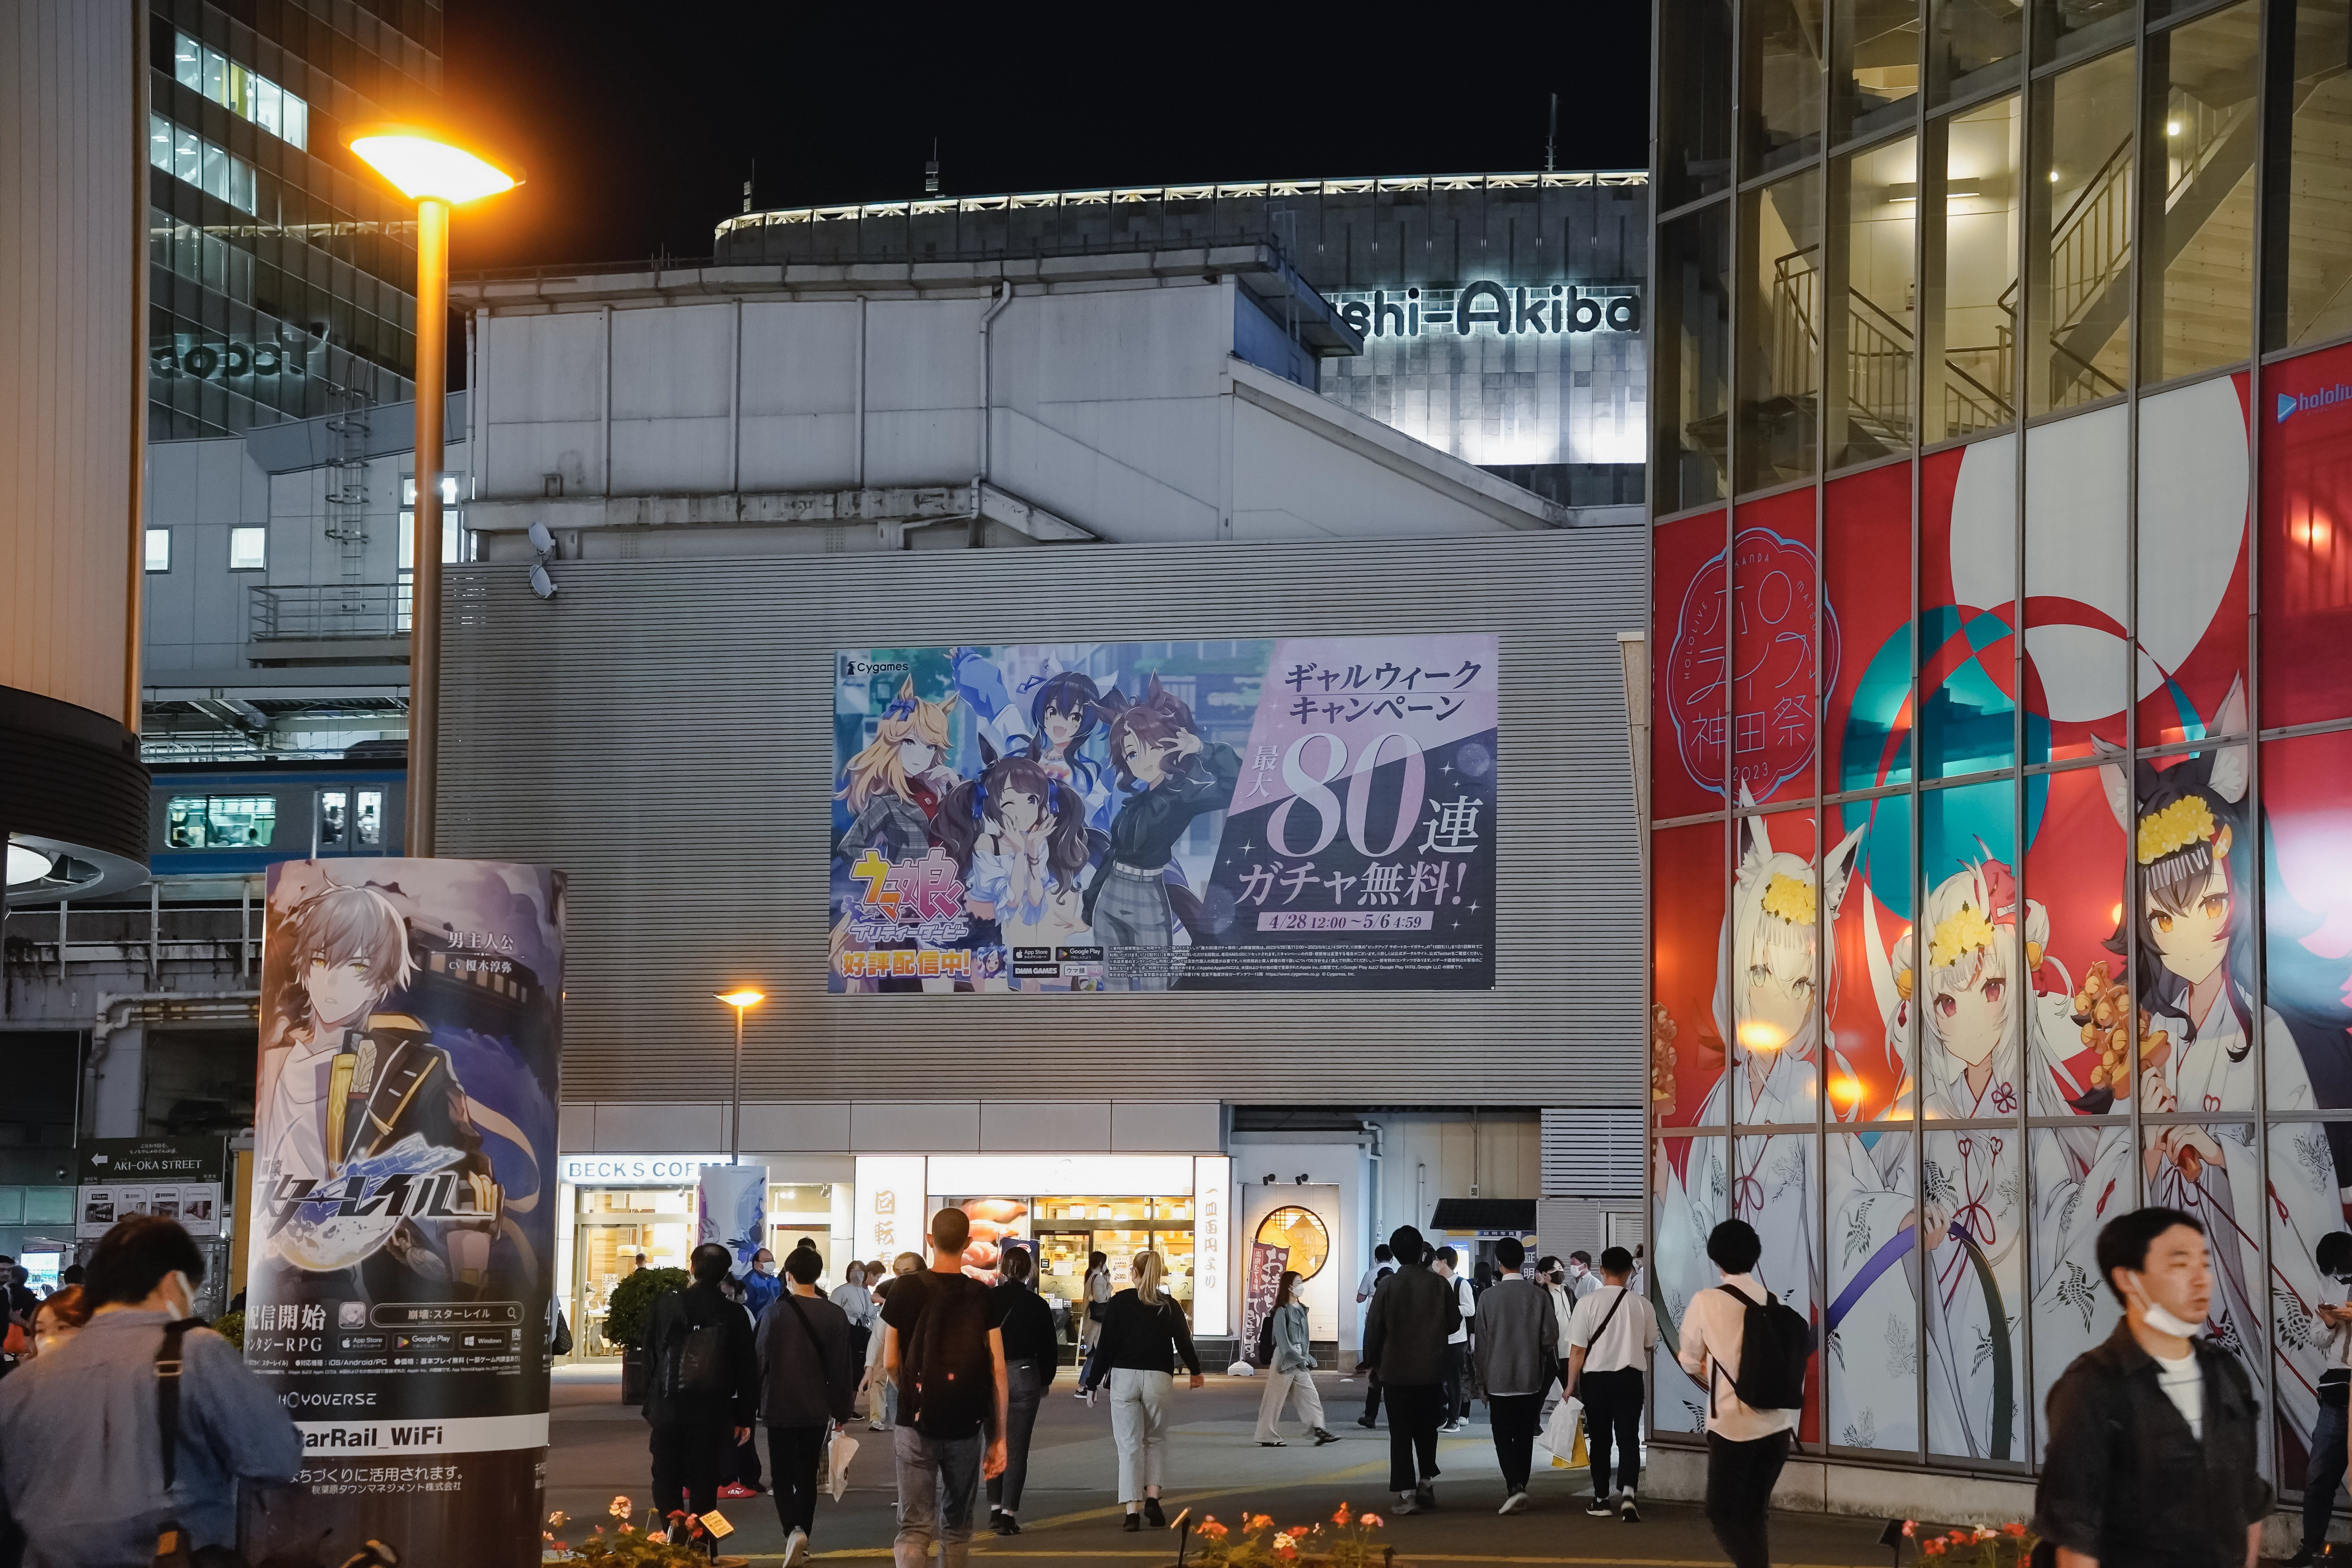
(51, 941)
(324, 611)
(1796, 312)
(2090, 253)
(1878, 351)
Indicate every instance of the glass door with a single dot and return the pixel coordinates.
(615, 1226)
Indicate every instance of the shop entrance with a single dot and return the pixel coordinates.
(615, 1224)
(1067, 1229)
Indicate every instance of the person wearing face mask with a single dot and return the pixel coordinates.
(2325, 1471)
(81, 1429)
(1552, 1275)
(1582, 1282)
(2152, 1452)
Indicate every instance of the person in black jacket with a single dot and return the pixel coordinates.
(1030, 1354)
(2153, 1449)
(1405, 1336)
(808, 1381)
(1143, 1331)
(704, 1389)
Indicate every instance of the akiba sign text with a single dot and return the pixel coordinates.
(1540, 309)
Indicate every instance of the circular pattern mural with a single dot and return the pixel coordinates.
(1301, 1231)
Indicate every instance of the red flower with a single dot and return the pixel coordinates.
(1933, 1546)
(2012, 1528)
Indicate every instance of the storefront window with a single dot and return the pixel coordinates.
(1972, 240)
(1781, 333)
(1691, 387)
(1694, 101)
(1872, 329)
(2196, 277)
(614, 1226)
(2308, 253)
(1972, 45)
(1876, 76)
(2066, 27)
(2079, 248)
(2077, 609)
(1783, 100)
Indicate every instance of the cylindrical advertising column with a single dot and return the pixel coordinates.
(404, 1228)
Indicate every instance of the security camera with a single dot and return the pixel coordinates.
(1300, 1178)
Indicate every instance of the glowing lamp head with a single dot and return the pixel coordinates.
(423, 166)
(1761, 1034)
(741, 999)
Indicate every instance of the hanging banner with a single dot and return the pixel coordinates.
(730, 1207)
(1294, 814)
(1266, 1270)
(397, 1294)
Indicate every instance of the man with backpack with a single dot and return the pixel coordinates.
(1747, 1349)
(943, 1346)
(705, 1388)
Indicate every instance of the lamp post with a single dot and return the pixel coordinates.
(436, 177)
(742, 998)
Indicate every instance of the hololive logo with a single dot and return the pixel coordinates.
(2288, 403)
(1562, 308)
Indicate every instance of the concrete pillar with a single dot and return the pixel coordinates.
(116, 1091)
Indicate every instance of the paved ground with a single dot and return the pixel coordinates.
(1071, 1516)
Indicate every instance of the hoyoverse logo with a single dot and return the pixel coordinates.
(2288, 403)
(1484, 306)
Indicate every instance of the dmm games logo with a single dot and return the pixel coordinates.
(2310, 401)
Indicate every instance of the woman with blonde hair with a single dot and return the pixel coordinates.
(1143, 1333)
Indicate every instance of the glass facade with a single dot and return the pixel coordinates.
(279, 271)
(2001, 867)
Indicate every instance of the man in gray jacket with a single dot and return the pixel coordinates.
(1518, 1352)
(1404, 1343)
(807, 1380)
(81, 1427)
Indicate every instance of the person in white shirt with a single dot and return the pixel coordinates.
(1745, 1447)
(2325, 1471)
(1371, 1279)
(1609, 1336)
(1457, 1345)
(1552, 1275)
(1582, 1282)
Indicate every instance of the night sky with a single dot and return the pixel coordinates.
(636, 122)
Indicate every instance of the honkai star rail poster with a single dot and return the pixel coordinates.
(403, 1224)
(1256, 815)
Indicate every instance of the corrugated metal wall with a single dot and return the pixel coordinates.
(662, 730)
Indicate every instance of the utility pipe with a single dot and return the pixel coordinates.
(996, 305)
(1379, 1171)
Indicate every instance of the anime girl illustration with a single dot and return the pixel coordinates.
(896, 784)
(2192, 933)
(1018, 835)
(1064, 716)
(1168, 775)
(1764, 986)
(1982, 943)
(361, 1092)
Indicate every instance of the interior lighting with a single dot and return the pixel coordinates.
(26, 865)
(424, 168)
(1757, 1034)
(1845, 1091)
(2172, 128)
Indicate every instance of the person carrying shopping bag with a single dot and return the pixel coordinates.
(807, 1384)
(1292, 1367)
(1143, 1330)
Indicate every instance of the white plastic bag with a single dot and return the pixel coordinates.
(1240, 1368)
(1561, 1432)
(836, 1459)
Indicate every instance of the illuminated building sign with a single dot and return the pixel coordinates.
(1540, 309)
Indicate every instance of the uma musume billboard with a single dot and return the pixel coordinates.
(404, 1193)
(1247, 814)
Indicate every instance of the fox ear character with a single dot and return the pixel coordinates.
(1755, 841)
(2229, 778)
(1838, 870)
(2115, 782)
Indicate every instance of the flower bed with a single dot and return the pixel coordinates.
(628, 1546)
(2007, 1546)
(1346, 1540)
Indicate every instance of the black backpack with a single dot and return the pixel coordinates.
(1265, 1341)
(1775, 1343)
(945, 1358)
(695, 1362)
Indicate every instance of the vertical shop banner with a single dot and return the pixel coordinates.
(1265, 1267)
(397, 1295)
(730, 1207)
(1300, 814)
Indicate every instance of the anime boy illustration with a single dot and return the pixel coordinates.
(896, 784)
(358, 1094)
(1018, 836)
(2193, 935)
(1764, 1007)
(1168, 775)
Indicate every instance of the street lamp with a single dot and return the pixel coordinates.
(436, 177)
(743, 999)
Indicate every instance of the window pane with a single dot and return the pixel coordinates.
(1966, 979)
(1692, 394)
(2080, 1015)
(1774, 593)
(2194, 486)
(215, 164)
(1784, 77)
(2193, 950)
(1872, 335)
(1686, 1043)
(1690, 674)
(1968, 588)
(2065, 28)
(1689, 1187)
(1972, 44)
(240, 184)
(1771, 972)
(2305, 1158)
(2199, 1168)
(184, 822)
(2198, 281)
(2307, 548)
(2308, 916)
(298, 122)
(240, 90)
(2077, 608)
(2083, 1177)
(368, 824)
(1972, 1189)
(1775, 1184)
(1780, 349)
(1972, 270)
(242, 819)
(1867, 571)
(333, 817)
(187, 157)
(187, 62)
(1693, 101)
(215, 74)
(2079, 252)
(1877, 74)
(1867, 888)
(267, 101)
(2306, 299)
(159, 550)
(247, 549)
(158, 142)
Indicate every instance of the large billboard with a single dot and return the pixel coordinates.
(1252, 815)
(404, 1194)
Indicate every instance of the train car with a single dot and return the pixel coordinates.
(211, 819)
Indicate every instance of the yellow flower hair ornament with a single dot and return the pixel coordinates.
(2186, 821)
(1790, 898)
(1958, 934)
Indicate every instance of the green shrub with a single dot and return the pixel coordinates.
(633, 1303)
(230, 1326)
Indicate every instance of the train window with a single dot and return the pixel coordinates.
(220, 821)
(333, 808)
(368, 827)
